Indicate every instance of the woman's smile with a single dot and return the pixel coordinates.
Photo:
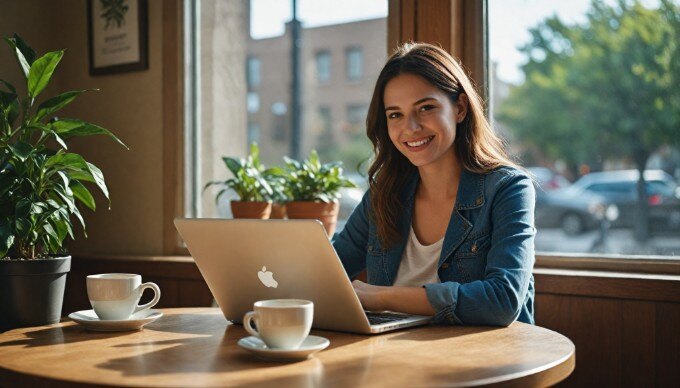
(419, 144)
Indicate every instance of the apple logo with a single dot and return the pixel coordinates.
(267, 278)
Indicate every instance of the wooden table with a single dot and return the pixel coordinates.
(197, 347)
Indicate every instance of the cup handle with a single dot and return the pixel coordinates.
(250, 315)
(156, 296)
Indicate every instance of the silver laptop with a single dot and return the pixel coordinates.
(244, 261)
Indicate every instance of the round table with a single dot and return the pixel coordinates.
(197, 347)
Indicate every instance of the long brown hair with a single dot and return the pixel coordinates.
(477, 147)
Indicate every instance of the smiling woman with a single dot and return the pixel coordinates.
(447, 226)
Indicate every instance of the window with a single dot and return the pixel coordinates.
(323, 66)
(582, 89)
(356, 117)
(253, 72)
(240, 87)
(355, 64)
(253, 102)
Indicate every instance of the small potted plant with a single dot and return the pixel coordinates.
(249, 184)
(314, 189)
(279, 197)
(42, 185)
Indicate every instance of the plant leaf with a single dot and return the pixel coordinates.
(25, 49)
(21, 150)
(68, 128)
(23, 63)
(41, 72)
(9, 86)
(56, 103)
(83, 194)
(6, 236)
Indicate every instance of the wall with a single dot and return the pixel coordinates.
(128, 104)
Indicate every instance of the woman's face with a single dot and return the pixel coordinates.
(421, 119)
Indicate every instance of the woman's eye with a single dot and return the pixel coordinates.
(393, 115)
(426, 107)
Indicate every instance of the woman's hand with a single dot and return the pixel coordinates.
(411, 300)
(371, 297)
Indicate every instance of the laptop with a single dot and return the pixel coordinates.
(244, 261)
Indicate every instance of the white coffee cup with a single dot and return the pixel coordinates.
(281, 323)
(114, 296)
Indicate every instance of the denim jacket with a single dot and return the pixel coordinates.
(486, 262)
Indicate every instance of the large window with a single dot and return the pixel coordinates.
(241, 86)
(587, 94)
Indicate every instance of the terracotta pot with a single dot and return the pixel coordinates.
(245, 209)
(278, 211)
(327, 213)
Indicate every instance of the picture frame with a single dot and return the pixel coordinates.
(118, 36)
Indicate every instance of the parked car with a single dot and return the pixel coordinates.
(620, 188)
(568, 209)
(548, 179)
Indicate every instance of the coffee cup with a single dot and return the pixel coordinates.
(115, 296)
(281, 323)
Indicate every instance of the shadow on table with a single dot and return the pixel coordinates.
(434, 332)
(60, 335)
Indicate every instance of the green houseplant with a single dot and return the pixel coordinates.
(313, 188)
(42, 185)
(249, 183)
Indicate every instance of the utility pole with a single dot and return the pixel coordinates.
(295, 93)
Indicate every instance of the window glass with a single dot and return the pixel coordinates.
(355, 64)
(587, 91)
(323, 66)
(241, 87)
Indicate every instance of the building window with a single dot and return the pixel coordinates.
(253, 72)
(323, 67)
(253, 102)
(355, 63)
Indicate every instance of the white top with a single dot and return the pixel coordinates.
(419, 263)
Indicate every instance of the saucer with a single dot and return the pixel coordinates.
(91, 321)
(310, 345)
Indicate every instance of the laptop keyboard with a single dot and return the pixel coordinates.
(376, 318)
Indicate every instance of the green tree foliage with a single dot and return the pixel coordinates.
(605, 88)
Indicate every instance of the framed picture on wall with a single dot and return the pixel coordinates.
(118, 36)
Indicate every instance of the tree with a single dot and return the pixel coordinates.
(605, 88)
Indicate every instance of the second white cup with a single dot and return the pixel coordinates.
(281, 323)
(114, 296)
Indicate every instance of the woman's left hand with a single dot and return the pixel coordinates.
(371, 297)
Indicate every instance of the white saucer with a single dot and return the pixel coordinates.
(310, 345)
(91, 321)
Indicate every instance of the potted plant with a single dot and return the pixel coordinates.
(249, 184)
(42, 185)
(279, 197)
(314, 189)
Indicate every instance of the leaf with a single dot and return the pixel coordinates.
(21, 150)
(83, 194)
(6, 236)
(234, 165)
(41, 72)
(68, 128)
(56, 103)
(99, 180)
(9, 86)
(25, 49)
(23, 63)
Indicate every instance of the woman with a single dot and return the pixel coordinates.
(446, 228)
